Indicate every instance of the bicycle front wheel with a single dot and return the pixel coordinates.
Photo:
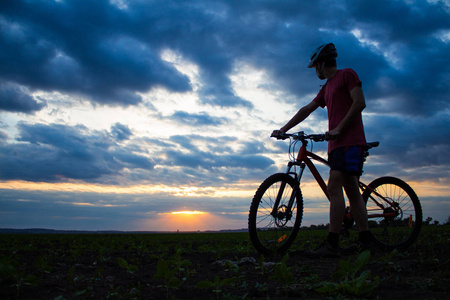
(272, 231)
(394, 213)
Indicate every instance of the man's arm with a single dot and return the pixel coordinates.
(356, 108)
(302, 114)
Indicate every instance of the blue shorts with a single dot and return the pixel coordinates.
(347, 159)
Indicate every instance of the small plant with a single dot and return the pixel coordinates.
(180, 264)
(42, 265)
(174, 271)
(9, 271)
(163, 272)
(352, 280)
(387, 258)
(261, 264)
(125, 265)
(217, 284)
(283, 273)
(231, 266)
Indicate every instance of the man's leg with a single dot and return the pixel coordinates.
(358, 208)
(330, 248)
(337, 201)
(359, 211)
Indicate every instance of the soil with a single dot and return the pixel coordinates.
(219, 270)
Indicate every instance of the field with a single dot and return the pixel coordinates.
(214, 266)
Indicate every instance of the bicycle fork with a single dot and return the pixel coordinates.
(285, 214)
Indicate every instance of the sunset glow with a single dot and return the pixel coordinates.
(187, 220)
(188, 212)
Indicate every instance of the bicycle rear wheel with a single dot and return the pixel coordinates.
(273, 233)
(394, 225)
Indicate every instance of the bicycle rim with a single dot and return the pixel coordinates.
(395, 225)
(273, 234)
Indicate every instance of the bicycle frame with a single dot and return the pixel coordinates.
(304, 159)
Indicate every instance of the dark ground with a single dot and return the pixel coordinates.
(212, 266)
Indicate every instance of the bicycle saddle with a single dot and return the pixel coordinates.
(371, 145)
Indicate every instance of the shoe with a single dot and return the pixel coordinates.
(324, 250)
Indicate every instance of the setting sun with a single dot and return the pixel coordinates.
(188, 212)
(188, 220)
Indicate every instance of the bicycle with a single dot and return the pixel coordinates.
(393, 208)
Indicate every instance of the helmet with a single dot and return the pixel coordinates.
(321, 53)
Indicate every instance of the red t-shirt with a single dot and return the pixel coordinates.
(335, 95)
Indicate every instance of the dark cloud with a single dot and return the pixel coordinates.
(414, 44)
(204, 161)
(403, 22)
(17, 99)
(415, 149)
(84, 48)
(217, 154)
(121, 132)
(59, 210)
(131, 160)
(108, 54)
(58, 152)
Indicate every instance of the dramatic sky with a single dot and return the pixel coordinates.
(115, 114)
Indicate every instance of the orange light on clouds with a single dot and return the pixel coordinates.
(236, 190)
(96, 204)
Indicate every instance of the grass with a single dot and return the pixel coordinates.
(131, 266)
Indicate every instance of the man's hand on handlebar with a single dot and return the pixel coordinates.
(277, 134)
(281, 135)
(332, 135)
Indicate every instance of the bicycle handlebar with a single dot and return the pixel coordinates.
(301, 136)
